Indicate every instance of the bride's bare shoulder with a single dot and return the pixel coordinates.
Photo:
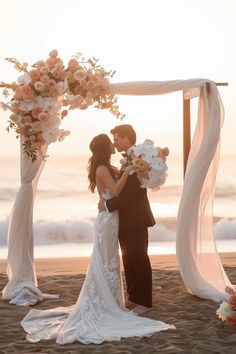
(102, 170)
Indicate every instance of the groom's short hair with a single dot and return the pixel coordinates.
(125, 130)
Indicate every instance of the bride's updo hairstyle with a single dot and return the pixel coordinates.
(101, 148)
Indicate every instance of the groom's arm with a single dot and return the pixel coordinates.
(127, 197)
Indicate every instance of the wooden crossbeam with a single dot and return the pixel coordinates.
(187, 124)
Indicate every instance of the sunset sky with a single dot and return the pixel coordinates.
(142, 40)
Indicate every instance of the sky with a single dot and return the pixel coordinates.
(142, 40)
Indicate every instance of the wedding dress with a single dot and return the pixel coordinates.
(99, 313)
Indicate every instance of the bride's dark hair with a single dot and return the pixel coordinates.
(101, 148)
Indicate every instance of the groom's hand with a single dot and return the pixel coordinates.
(101, 205)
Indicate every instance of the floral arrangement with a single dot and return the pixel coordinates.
(41, 92)
(149, 162)
(227, 310)
(88, 84)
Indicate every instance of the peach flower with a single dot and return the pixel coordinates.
(73, 64)
(45, 79)
(34, 74)
(27, 119)
(43, 70)
(13, 117)
(51, 84)
(232, 301)
(137, 162)
(80, 75)
(63, 75)
(43, 117)
(49, 63)
(18, 92)
(26, 91)
(39, 64)
(78, 90)
(35, 112)
(39, 86)
(53, 53)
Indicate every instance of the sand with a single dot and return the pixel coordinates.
(198, 328)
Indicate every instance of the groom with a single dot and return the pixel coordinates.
(135, 217)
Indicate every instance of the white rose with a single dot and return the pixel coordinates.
(24, 79)
(26, 106)
(224, 311)
(50, 135)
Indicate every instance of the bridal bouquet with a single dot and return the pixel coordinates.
(227, 310)
(149, 162)
(39, 94)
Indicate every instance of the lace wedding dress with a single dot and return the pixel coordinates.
(99, 313)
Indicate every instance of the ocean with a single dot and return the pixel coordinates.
(65, 210)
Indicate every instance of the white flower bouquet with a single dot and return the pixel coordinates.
(149, 162)
(227, 310)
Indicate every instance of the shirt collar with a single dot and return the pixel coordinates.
(130, 150)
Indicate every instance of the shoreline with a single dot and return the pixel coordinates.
(78, 265)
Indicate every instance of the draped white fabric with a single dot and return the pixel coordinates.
(199, 263)
(21, 288)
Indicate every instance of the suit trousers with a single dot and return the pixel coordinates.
(138, 272)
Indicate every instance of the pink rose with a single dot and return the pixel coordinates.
(232, 301)
(78, 90)
(70, 77)
(45, 79)
(34, 74)
(51, 84)
(27, 119)
(26, 91)
(44, 70)
(43, 117)
(13, 117)
(229, 290)
(165, 151)
(73, 64)
(18, 92)
(53, 53)
(63, 75)
(52, 93)
(35, 112)
(49, 63)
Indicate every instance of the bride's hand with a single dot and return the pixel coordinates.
(129, 170)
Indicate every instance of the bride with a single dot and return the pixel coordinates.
(99, 313)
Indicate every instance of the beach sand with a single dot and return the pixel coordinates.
(198, 330)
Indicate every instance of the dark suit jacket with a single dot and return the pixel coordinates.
(133, 205)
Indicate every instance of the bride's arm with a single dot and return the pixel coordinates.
(103, 174)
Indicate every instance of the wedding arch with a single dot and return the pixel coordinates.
(199, 262)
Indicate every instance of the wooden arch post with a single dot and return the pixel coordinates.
(187, 125)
